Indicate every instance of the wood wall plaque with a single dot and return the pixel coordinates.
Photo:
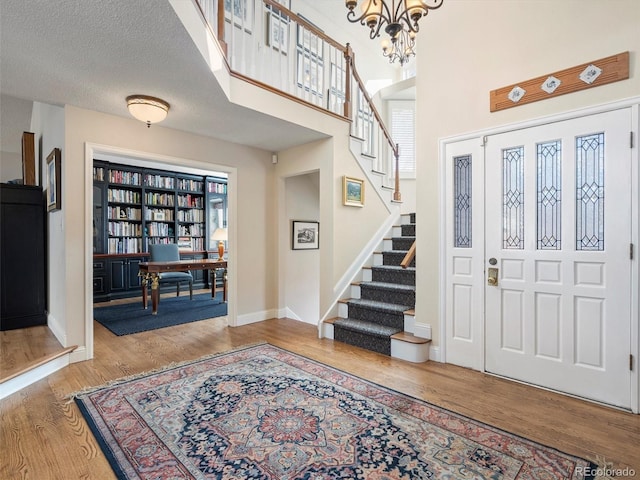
(587, 75)
(28, 158)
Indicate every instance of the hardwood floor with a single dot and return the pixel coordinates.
(43, 435)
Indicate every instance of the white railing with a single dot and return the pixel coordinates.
(267, 44)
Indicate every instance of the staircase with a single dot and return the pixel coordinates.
(379, 316)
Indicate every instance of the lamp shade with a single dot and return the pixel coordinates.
(219, 234)
(147, 109)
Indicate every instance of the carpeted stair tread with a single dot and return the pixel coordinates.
(380, 306)
(397, 268)
(388, 286)
(366, 327)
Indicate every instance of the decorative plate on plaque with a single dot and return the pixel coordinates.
(516, 94)
(550, 84)
(590, 74)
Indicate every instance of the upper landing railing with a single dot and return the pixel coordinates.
(267, 44)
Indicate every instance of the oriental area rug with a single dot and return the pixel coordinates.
(260, 412)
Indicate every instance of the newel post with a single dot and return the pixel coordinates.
(348, 56)
(396, 194)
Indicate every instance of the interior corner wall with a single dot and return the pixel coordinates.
(256, 219)
(301, 268)
(10, 166)
(475, 47)
(48, 126)
(344, 230)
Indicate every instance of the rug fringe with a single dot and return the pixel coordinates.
(70, 398)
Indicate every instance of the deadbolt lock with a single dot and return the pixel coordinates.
(492, 277)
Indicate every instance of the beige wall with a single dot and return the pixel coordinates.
(256, 217)
(477, 46)
(344, 231)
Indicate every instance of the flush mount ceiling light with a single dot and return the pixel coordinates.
(147, 109)
(401, 18)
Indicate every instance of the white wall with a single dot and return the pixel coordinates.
(47, 124)
(255, 229)
(475, 47)
(15, 118)
(301, 268)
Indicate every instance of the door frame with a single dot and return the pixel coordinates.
(152, 160)
(634, 105)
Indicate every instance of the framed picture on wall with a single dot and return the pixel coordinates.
(305, 235)
(352, 191)
(54, 178)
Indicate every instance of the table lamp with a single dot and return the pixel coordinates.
(220, 234)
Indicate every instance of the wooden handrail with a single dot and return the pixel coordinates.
(409, 256)
(356, 76)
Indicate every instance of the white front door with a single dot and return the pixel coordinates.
(558, 233)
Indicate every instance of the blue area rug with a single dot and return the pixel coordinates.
(131, 318)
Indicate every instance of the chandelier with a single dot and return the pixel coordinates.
(400, 20)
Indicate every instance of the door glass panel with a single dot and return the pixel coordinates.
(513, 198)
(590, 192)
(462, 201)
(549, 195)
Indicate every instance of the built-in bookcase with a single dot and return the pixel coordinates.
(137, 207)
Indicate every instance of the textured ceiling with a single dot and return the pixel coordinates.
(94, 53)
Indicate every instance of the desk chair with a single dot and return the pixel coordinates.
(169, 253)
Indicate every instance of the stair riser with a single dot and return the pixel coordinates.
(360, 312)
(388, 295)
(395, 259)
(402, 277)
(402, 243)
(362, 340)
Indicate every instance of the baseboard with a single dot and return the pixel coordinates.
(421, 330)
(78, 355)
(57, 329)
(434, 354)
(21, 381)
(256, 317)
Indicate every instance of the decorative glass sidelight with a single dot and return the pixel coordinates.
(549, 198)
(590, 192)
(462, 201)
(513, 198)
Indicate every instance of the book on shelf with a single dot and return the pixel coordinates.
(184, 243)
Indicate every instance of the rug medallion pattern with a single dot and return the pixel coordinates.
(265, 413)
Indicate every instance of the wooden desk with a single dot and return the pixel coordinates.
(149, 272)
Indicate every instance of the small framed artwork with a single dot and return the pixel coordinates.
(54, 178)
(305, 235)
(278, 33)
(352, 191)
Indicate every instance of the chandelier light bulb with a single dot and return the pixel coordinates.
(399, 20)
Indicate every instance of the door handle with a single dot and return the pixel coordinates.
(492, 277)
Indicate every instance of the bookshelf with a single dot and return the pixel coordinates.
(137, 207)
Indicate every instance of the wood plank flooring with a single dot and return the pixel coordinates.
(43, 435)
(24, 348)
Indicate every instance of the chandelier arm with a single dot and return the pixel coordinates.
(375, 31)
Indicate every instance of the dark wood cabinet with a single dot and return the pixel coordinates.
(123, 276)
(23, 299)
